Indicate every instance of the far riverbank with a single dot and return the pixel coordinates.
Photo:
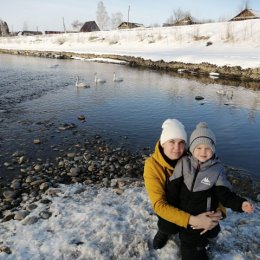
(204, 72)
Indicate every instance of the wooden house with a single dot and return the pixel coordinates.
(4, 30)
(90, 26)
(246, 14)
(29, 33)
(128, 25)
(53, 32)
(187, 20)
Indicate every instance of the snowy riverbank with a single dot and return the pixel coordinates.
(102, 213)
(89, 222)
(221, 44)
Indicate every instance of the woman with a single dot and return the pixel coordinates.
(157, 170)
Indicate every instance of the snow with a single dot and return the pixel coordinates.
(226, 43)
(90, 222)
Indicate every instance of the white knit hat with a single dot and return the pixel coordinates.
(172, 129)
(202, 135)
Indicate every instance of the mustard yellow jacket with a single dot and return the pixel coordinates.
(155, 168)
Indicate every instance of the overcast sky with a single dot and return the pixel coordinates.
(48, 14)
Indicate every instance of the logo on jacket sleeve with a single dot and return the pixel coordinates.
(206, 181)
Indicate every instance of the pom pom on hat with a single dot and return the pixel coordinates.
(172, 129)
(202, 135)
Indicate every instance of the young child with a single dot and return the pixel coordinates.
(200, 183)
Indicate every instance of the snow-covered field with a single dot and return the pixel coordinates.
(91, 223)
(226, 43)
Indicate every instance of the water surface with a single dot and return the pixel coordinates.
(36, 98)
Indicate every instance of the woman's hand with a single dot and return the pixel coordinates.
(216, 215)
(206, 221)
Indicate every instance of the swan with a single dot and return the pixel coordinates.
(98, 80)
(116, 79)
(81, 84)
(221, 92)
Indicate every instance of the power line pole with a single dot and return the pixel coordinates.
(128, 16)
(63, 24)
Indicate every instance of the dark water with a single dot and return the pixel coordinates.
(35, 100)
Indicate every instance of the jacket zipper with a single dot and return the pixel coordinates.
(195, 177)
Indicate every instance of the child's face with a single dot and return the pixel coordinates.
(202, 152)
(174, 148)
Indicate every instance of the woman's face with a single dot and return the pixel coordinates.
(174, 148)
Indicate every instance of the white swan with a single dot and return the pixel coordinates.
(116, 79)
(81, 84)
(98, 80)
(221, 92)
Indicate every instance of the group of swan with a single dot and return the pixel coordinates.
(96, 80)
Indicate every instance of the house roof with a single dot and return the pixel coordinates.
(246, 14)
(89, 26)
(130, 25)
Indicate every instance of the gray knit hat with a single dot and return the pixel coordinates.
(202, 135)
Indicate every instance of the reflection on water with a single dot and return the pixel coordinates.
(36, 97)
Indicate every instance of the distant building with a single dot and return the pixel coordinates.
(90, 26)
(53, 32)
(187, 20)
(29, 33)
(246, 14)
(4, 30)
(127, 25)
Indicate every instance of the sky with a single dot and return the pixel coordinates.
(48, 14)
(93, 223)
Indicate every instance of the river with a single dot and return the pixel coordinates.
(38, 100)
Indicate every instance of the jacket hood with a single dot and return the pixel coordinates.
(157, 156)
(194, 162)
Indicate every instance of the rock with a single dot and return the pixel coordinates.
(71, 155)
(81, 117)
(45, 214)
(45, 201)
(199, 98)
(16, 184)
(8, 217)
(31, 207)
(22, 159)
(37, 182)
(119, 191)
(38, 167)
(54, 192)
(37, 141)
(44, 186)
(30, 220)
(74, 172)
(21, 214)
(10, 195)
(5, 249)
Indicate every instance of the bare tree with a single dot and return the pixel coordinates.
(116, 19)
(102, 16)
(76, 25)
(180, 14)
(177, 16)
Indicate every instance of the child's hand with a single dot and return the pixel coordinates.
(247, 207)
